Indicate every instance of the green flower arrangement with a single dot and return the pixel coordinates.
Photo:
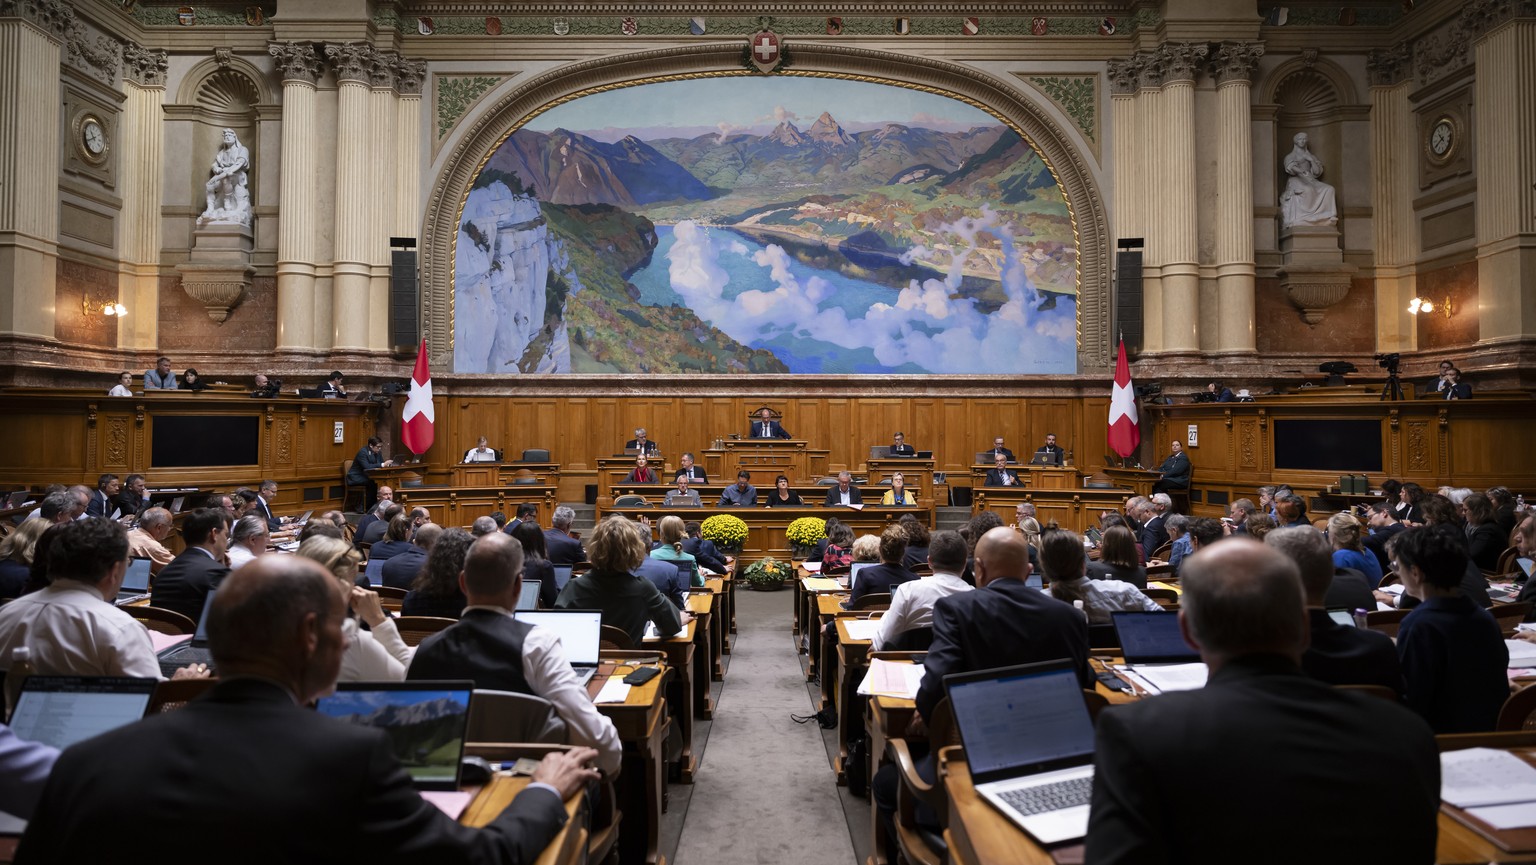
(806, 531)
(767, 575)
(726, 530)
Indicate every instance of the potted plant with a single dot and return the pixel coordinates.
(727, 531)
(767, 575)
(803, 534)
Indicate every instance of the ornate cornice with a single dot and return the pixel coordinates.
(1181, 60)
(94, 54)
(296, 61)
(1481, 16)
(410, 75)
(353, 61)
(381, 72)
(1389, 66)
(144, 66)
(50, 16)
(1236, 61)
(1124, 75)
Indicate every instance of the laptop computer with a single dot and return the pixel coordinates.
(923, 455)
(374, 571)
(1342, 616)
(1029, 742)
(14, 500)
(529, 598)
(301, 519)
(177, 503)
(63, 710)
(562, 575)
(580, 633)
(1151, 638)
(426, 722)
(135, 581)
(194, 652)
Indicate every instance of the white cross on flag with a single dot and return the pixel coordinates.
(416, 420)
(1124, 424)
(764, 49)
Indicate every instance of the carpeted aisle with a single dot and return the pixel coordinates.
(764, 792)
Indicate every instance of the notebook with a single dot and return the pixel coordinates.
(135, 581)
(1151, 638)
(63, 710)
(529, 598)
(580, 633)
(426, 723)
(194, 652)
(1029, 742)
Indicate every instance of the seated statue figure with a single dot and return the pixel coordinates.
(228, 193)
(1307, 200)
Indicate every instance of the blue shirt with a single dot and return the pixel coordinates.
(1182, 546)
(1454, 662)
(1365, 563)
(734, 496)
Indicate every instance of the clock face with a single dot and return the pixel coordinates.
(1442, 137)
(94, 136)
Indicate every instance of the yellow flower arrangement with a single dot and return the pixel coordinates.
(725, 530)
(806, 531)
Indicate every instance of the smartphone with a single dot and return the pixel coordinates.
(642, 675)
(1114, 683)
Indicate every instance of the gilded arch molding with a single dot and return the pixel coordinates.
(497, 119)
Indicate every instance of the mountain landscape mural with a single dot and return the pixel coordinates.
(765, 225)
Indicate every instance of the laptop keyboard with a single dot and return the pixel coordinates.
(1049, 797)
(182, 656)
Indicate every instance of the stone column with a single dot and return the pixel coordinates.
(31, 40)
(1150, 190)
(409, 78)
(1505, 95)
(297, 218)
(1235, 62)
(352, 270)
(1394, 183)
(1181, 251)
(383, 179)
(141, 169)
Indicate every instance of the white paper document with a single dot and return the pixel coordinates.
(1172, 677)
(614, 691)
(891, 680)
(863, 629)
(1485, 776)
(1521, 653)
(1518, 816)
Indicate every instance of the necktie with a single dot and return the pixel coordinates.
(765, 429)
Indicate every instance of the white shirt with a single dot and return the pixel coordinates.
(239, 555)
(1101, 597)
(549, 674)
(475, 455)
(912, 605)
(379, 655)
(119, 390)
(72, 631)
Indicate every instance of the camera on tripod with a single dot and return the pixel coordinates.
(1389, 362)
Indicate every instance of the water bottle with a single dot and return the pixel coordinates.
(1360, 618)
(21, 668)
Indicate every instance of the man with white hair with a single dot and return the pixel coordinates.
(562, 547)
(1153, 533)
(482, 526)
(144, 540)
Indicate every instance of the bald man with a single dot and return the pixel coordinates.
(1260, 740)
(198, 774)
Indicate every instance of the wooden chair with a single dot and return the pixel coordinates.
(347, 489)
(524, 477)
(1459, 741)
(1519, 712)
(1506, 563)
(920, 845)
(631, 501)
(615, 638)
(414, 629)
(172, 694)
(536, 455)
(163, 621)
(389, 592)
(872, 601)
(1379, 691)
(1163, 552)
(1385, 621)
(506, 716)
(1510, 615)
(1162, 596)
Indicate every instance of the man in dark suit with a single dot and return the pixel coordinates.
(844, 493)
(1000, 475)
(196, 776)
(686, 469)
(1050, 453)
(1339, 654)
(563, 549)
(1194, 798)
(369, 456)
(1153, 532)
(765, 427)
(997, 448)
(703, 550)
(264, 498)
(640, 443)
(1174, 472)
(1384, 526)
(183, 585)
(101, 504)
(131, 499)
(886, 576)
(333, 386)
(527, 512)
(1455, 388)
(900, 448)
(400, 570)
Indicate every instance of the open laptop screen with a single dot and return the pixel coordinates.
(528, 599)
(1151, 638)
(425, 723)
(63, 710)
(136, 578)
(580, 631)
(1021, 720)
(562, 575)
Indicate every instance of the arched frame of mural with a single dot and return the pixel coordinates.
(499, 119)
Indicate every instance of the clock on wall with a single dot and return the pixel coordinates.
(1442, 140)
(91, 139)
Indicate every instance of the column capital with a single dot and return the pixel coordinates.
(410, 76)
(1387, 67)
(1236, 61)
(353, 61)
(53, 17)
(381, 70)
(296, 61)
(1181, 60)
(1482, 16)
(1124, 74)
(1151, 69)
(144, 66)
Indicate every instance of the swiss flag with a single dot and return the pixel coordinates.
(416, 421)
(1124, 425)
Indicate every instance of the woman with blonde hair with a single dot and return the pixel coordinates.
(1348, 551)
(616, 548)
(671, 550)
(898, 494)
(16, 556)
(378, 654)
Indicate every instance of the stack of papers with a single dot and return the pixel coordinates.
(862, 629)
(811, 567)
(1494, 786)
(891, 680)
(614, 691)
(822, 584)
(1521, 653)
(1157, 678)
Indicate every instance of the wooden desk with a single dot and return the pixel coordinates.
(764, 459)
(766, 527)
(1139, 480)
(641, 722)
(678, 650)
(1031, 477)
(918, 473)
(611, 472)
(980, 834)
(1075, 509)
(885, 718)
(567, 848)
(459, 506)
(719, 633)
(851, 655)
(701, 605)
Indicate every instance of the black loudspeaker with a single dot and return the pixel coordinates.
(1128, 299)
(404, 305)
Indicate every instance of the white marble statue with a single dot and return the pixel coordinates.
(229, 197)
(1307, 200)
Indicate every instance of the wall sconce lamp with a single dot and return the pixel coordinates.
(108, 308)
(1420, 305)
